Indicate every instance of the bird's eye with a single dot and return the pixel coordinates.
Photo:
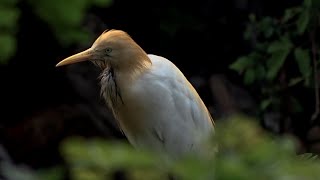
(108, 50)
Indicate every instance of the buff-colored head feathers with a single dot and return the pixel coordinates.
(113, 48)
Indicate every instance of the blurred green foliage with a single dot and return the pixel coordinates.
(9, 14)
(64, 18)
(284, 55)
(245, 152)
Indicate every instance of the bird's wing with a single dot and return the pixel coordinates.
(179, 116)
(184, 95)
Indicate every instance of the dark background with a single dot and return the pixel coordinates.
(42, 105)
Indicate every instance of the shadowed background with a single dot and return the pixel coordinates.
(42, 105)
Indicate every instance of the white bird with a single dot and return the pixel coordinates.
(154, 104)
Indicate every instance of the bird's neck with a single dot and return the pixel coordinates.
(136, 63)
(116, 79)
(110, 90)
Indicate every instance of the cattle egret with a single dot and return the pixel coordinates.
(154, 104)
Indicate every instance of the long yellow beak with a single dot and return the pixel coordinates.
(82, 56)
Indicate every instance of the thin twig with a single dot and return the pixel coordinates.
(316, 79)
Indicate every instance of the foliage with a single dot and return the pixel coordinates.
(284, 56)
(245, 152)
(9, 14)
(63, 17)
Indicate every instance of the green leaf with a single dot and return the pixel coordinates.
(260, 71)
(303, 60)
(241, 64)
(275, 46)
(268, 32)
(295, 81)
(303, 21)
(103, 3)
(65, 17)
(261, 46)
(9, 17)
(308, 156)
(8, 2)
(266, 26)
(290, 13)
(307, 3)
(279, 45)
(54, 173)
(7, 47)
(249, 76)
(248, 32)
(275, 63)
(69, 36)
(279, 51)
(265, 103)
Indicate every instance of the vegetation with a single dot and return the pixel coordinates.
(245, 152)
(63, 17)
(284, 60)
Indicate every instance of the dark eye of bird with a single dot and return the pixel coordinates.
(108, 50)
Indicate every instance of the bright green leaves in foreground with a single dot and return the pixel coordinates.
(245, 152)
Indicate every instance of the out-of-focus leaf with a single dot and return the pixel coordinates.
(7, 47)
(295, 81)
(304, 63)
(59, 12)
(307, 3)
(66, 17)
(8, 2)
(279, 45)
(249, 76)
(268, 32)
(261, 47)
(9, 17)
(260, 71)
(308, 156)
(266, 26)
(290, 13)
(275, 63)
(241, 64)
(103, 3)
(54, 173)
(69, 36)
(248, 33)
(104, 157)
(303, 21)
(137, 174)
(246, 151)
(265, 103)
(186, 169)
(279, 51)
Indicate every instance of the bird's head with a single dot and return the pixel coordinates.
(114, 48)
